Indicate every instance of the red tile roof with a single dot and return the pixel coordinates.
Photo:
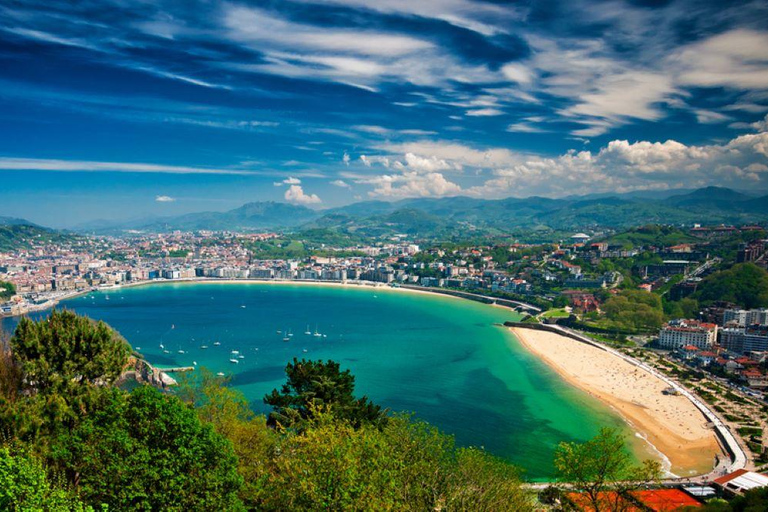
(665, 500)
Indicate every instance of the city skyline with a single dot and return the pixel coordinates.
(123, 109)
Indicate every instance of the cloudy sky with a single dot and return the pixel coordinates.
(119, 109)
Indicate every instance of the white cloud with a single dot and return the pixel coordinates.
(295, 194)
(368, 161)
(525, 127)
(517, 72)
(705, 116)
(258, 27)
(462, 13)
(39, 164)
(735, 59)
(164, 199)
(484, 112)
(411, 184)
(620, 166)
(340, 184)
(288, 181)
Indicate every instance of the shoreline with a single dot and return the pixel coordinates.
(670, 424)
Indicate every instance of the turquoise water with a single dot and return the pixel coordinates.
(442, 358)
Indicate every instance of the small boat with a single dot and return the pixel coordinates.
(234, 361)
(203, 347)
(194, 363)
(242, 307)
(325, 335)
(138, 348)
(166, 351)
(279, 331)
(235, 352)
(216, 343)
(162, 346)
(182, 352)
(220, 374)
(241, 356)
(317, 334)
(308, 332)
(305, 351)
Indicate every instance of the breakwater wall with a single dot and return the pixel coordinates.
(485, 299)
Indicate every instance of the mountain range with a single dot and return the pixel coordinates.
(453, 216)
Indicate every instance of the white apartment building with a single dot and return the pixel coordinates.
(680, 333)
(745, 317)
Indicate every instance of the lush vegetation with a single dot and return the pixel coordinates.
(603, 464)
(315, 385)
(20, 236)
(7, 290)
(651, 235)
(744, 284)
(630, 311)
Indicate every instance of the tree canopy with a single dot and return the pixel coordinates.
(7, 290)
(600, 465)
(25, 485)
(67, 351)
(634, 310)
(744, 284)
(149, 451)
(312, 385)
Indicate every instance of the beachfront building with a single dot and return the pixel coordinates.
(745, 316)
(680, 333)
(741, 481)
(742, 340)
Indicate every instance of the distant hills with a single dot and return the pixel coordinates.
(465, 216)
(16, 233)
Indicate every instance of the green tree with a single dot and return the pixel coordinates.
(744, 284)
(405, 466)
(25, 485)
(7, 290)
(149, 451)
(314, 384)
(66, 352)
(602, 470)
(59, 367)
(231, 416)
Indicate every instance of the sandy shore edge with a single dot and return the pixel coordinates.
(671, 424)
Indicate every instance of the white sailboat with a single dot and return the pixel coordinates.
(308, 332)
(234, 361)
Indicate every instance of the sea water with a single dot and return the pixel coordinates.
(447, 360)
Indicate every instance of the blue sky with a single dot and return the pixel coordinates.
(117, 109)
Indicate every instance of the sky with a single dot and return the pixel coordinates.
(127, 109)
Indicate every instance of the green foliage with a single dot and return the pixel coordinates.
(149, 451)
(7, 290)
(25, 486)
(633, 310)
(405, 466)
(22, 236)
(65, 352)
(744, 284)
(651, 235)
(229, 413)
(58, 370)
(314, 384)
(603, 464)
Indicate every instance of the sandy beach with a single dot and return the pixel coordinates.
(671, 423)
